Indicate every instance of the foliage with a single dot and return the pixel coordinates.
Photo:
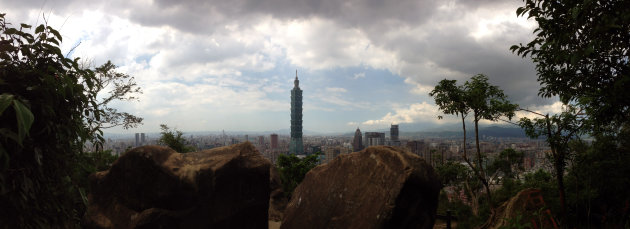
(452, 173)
(87, 163)
(51, 94)
(581, 50)
(598, 181)
(449, 97)
(516, 223)
(462, 212)
(123, 88)
(485, 101)
(509, 164)
(293, 170)
(559, 130)
(174, 140)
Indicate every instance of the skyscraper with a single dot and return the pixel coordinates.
(357, 142)
(393, 132)
(274, 141)
(296, 146)
(137, 140)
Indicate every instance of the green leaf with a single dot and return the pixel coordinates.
(39, 29)
(5, 101)
(24, 119)
(26, 26)
(6, 133)
(10, 31)
(56, 33)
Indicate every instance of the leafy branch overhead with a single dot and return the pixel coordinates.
(50, 107)
(44, 101)
(119, 87)
(581, 51)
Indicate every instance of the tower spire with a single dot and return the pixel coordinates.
(296, 82)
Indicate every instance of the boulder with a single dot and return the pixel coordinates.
(527, 207)
(378, 187)
(156, 187)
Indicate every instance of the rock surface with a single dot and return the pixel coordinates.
(527, 206)
(378, 187)
(156, 187)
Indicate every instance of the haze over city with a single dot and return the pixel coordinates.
(216, 65)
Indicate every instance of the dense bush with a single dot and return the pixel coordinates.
(44, 101)
(293, 170)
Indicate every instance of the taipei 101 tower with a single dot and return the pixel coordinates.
(296, 146)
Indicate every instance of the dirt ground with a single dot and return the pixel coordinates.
(274, 225)
(441, 224)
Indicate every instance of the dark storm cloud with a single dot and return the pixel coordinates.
(443, 43)
(457, 51)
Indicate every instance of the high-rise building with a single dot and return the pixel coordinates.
(137, 140)
(393, 132)
(296, 145)
(143, 140)
(374, 139)
(274, 141)
(357, 142)
(261, 140)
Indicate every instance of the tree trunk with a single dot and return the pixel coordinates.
(464, 127)
(480, 167)
(474, 200)
(559, 167)
(560, 177)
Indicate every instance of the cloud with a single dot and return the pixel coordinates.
(203, 55)
(359, 75)
(417, 112)
(336, 89)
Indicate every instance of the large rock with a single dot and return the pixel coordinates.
(156, 187)
(528, 207)
(379, 187)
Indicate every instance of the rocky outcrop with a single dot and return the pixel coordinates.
(156, 187)
(378, 187)
(527, 207)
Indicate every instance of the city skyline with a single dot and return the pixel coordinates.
(215, 66)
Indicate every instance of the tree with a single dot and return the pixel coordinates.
(559, 130)
(460, 177)
(44, 100)
(174, 140)
(581, 51)
(293, 170)
(485, 101)
(597, 182)
(122, 87)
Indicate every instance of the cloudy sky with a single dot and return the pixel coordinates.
(207, 65)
